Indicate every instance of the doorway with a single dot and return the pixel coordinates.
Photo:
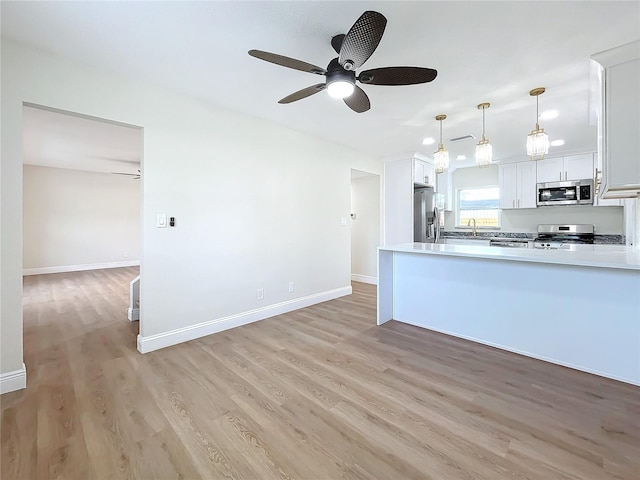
(82, 193)
(365, 226)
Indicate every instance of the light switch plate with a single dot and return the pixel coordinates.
(161, 220)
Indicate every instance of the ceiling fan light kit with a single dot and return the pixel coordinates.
(353, 49)
(340, 82)
(441, 156)
(484, 150)
(537, 140)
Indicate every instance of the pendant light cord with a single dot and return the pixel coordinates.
(537, 114)
(483, 109)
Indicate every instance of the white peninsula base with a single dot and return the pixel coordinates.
(536, 303)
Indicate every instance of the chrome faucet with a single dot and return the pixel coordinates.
(474, 231)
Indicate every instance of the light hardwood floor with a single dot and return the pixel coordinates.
(320, 393)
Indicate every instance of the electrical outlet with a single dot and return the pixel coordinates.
(291, 287)
(125, 254)
(261, 294)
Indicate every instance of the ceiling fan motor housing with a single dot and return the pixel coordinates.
(336, 73)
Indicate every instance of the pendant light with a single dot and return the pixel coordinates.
(484, 150)
(441, 156)
(537, 140)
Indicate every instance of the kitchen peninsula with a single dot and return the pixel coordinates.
(578, 308)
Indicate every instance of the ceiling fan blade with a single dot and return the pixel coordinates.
(358, 101)
(287, 62)
(362, 39)
(336, 42)
(304, 93)
(397, 76)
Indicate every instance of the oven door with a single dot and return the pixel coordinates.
(561, 193)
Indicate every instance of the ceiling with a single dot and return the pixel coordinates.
(484, 52)
(52, 138)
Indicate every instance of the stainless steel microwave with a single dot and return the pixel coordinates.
(578, 192)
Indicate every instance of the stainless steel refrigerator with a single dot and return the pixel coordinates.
(426, 217)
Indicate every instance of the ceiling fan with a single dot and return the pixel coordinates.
(353, 50)
(135, 176)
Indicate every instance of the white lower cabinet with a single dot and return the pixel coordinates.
(518, 185)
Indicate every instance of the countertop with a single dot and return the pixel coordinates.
(599, 239)
(599, 256)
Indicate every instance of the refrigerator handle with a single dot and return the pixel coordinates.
(436, 221)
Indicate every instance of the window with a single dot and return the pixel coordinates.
(481, 203)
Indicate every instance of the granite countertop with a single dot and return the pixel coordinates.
(599, 239)
(613, 256)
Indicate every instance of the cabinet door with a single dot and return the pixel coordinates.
(527, 190)
(622, 118)
(430, 175)
(578, 167)
(419, 175)
(424, 173)
(550, 170)
(619, 121)
(508, 185)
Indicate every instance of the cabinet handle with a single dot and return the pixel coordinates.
(426, 180)
(597, 181)
(513, 204)
(518, 203)
(560, 176)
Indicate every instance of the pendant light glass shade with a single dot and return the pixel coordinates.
(484, 150)
(537, 140)
(441, 156)
(484, 153)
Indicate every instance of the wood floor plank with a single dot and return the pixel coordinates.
(319, 393)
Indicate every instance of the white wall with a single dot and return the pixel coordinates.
(257, 205)
(608, 220)
(365, 227)
(78, 219)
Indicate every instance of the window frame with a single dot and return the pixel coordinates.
(457, 208)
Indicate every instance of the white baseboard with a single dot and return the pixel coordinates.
(12, 381)
(79, 268)
(364, 279)
(133, 314)
(173, 337)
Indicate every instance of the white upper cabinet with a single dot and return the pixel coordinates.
(579, 167)
(508, 185)
(517, 185)
(424, 173)
(560, 169)
(527, 187)
(618, 109)
(550, 170)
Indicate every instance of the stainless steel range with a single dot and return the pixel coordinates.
(563, 236)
